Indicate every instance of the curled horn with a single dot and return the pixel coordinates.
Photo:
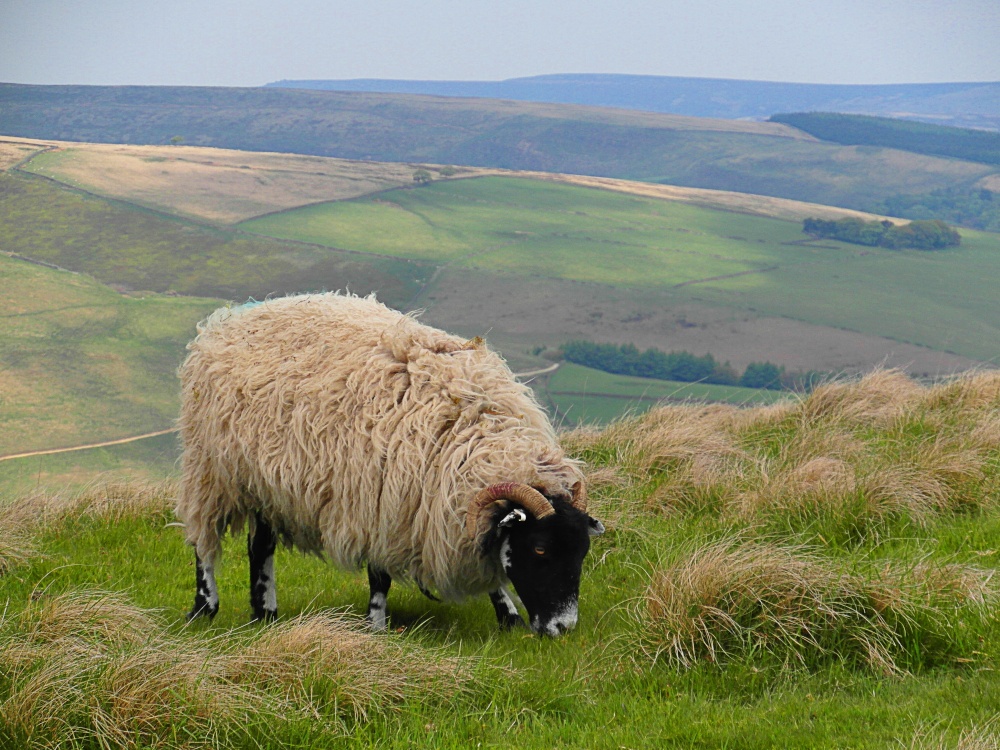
(531, 499)
(579, 500)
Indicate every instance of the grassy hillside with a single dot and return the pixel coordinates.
(974, 105)
(919, 137)
(818, 574)
(211, 184)
(942, 301)
(765, 158)
(82, 363)
(144, 250)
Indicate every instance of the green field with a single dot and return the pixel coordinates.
(582, 395)
(84, 364)
(133, 248)
(943, 301)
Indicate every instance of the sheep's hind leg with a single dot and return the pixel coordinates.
(507, 614)
(261, 542)
(206, 593)
(378, 582)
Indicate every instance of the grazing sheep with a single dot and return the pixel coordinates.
(350, 430)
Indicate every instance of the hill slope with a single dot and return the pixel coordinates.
(964, 104)
(764, 158)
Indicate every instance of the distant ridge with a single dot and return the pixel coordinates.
(972, 104)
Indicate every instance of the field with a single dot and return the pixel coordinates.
(135, 249)
(746, 263)
(817, 574)
(82, 363)
(212, 184)
(581, 395)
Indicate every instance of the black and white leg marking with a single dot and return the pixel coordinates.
(379, 582)
(206, 594)
(507, 614)
(260, 548)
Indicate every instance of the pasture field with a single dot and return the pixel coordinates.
(582, 395)
(942, 301)
(212, 184)
(813, 574)
(82, 363)
(137, 249)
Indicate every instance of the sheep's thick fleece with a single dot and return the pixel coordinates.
(358, 433)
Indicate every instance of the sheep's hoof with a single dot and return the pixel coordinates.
(202, 610)
(265, 615)
(510, 622)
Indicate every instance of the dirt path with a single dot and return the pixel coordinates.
(106, 443)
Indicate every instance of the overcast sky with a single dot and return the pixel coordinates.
(252, 42)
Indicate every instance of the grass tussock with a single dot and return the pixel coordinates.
(848, 458)
(92, 669)
(731, 600)
(113, 501)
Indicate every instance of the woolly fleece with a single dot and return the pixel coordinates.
(359, 434)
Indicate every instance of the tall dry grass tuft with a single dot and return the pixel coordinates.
(358, 672)
(852, 456)
(974, 738)
(114, 501)
(734, 600)
(92, 669)
(16, 547)
(877, 398)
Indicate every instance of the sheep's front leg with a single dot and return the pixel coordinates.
(378, 582)
(507, 614)
(206, 593)
(261, 542)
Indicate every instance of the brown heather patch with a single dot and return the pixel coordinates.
(729, 599)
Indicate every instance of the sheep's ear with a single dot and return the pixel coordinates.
(594, 527)
(515, 516)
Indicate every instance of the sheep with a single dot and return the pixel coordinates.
(340, 427)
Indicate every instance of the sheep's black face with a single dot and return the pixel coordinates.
(543, 559)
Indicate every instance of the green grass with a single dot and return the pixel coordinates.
(583, 395)
(84, 364)
(149, 459)
(534, 227)
(941, 300)
(137, 249)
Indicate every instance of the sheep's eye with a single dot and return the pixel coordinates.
(539, 550)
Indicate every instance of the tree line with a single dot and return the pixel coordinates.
(975, 208)
(931, 234)
(626, 359)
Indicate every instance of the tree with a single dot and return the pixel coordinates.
(421, 177)
(762, 375)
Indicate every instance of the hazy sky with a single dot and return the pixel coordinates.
(251, 42)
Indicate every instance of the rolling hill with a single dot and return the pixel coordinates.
(530, 260)
(964, 104)
(752, 157)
